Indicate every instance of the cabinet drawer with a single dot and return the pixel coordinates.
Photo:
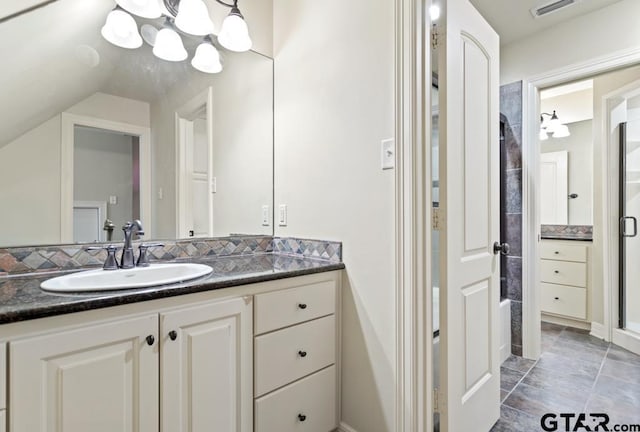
(564, 300)
(3, 375)
(308, 405)
(564, 252)
(563, 272)
(283, 308)
(291, 353)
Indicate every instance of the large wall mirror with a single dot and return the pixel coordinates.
(93, 135)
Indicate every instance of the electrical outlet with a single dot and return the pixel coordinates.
(282, 215)
(265, 215)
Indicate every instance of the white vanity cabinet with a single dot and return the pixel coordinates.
(296, 348)
(564, 277)
(3, 386)
(128, 376)
(99, 378)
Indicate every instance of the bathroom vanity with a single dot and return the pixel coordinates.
(254, 347)
(565, 281)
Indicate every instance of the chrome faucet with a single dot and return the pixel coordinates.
(127, 261)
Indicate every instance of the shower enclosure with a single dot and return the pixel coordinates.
(629, 201)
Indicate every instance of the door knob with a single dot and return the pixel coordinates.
(501, 248)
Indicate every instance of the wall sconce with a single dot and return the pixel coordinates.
(181, 18)
(553, 126)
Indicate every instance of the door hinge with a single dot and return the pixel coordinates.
(434, 37)
(435, 219)
(436, 402)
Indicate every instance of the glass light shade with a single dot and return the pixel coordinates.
(207, 59)
(561, 131)
(554, 123)
(234, 34)
(543, 135)
(169, 46)
(434, 12)
(193, 18)
(142, 8)
(121, 30)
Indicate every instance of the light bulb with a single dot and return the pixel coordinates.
(168, 44)
(543, 135)
(121, 30)
(142, 8)
(234, 34)
(434, 12)
(207, 58)
(193, 18)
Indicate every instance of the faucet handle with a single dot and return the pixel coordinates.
(143, 258)
(111, 263)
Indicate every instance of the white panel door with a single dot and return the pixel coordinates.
(207, 368)
(100, 378)
(469, 194)
(554, 188)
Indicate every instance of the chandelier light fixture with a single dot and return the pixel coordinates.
(182, 18)
(552, 126)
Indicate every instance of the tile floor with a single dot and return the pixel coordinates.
(576, 373)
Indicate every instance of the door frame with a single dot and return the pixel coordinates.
(68, 123)
(531, 333)
(189, 111)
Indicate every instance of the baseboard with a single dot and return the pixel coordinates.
(345, 428)
(597, 330)
(627, 340)
(566, 322)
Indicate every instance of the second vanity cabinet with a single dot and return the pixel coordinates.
(564, 277)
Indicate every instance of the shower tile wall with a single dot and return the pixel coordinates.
(511, 205)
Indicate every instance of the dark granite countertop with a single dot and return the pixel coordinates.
(565, 237)
(22, 299)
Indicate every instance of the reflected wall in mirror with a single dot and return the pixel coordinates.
(191, 153)
(566, 162)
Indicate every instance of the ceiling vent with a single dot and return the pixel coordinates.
(545, 9)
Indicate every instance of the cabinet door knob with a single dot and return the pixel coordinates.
(557, 252)
(556, 271)
(556, 298)
(173, 335)
(302, 417)
(302, 353)
(150, 340)
(302, 305)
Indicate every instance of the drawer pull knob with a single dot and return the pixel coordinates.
(173, 335)
(150, 340)
(556, 271)
(302, 305)
(557, 253)
(302, 417)
(556, 298)
(302, 353)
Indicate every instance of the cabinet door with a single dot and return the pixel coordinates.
(206, 368)
(100, 378)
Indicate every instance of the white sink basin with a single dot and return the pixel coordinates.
(138, 277)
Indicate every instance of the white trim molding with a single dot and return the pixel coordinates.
(412, 219)
(343, 427)
(598, 330)
(530, 222)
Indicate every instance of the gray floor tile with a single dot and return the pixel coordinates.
(550, 328)
(537, 402)
(503, 395)
(509, 378)
(620, 354)
(560, 363)
(582, 337)
(518, 363)
(619, 412)
(583, 352)
(552, 379)
(618, 390)
(512, 420)
(621, 370)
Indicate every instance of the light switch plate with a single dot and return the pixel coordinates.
(265, 215)
(388, 155)
(282, 215)
(113, 200)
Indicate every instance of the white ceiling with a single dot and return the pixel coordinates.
(513, 20)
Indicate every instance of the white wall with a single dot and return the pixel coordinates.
(599, 33)
(334, 94)
(579, 146)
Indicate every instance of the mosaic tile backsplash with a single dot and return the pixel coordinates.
(22, 260)
(568, 232)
